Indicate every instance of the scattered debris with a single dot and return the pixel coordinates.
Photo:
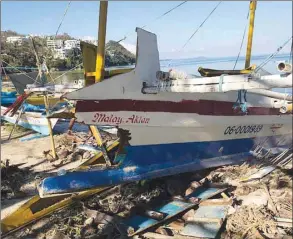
(170, 207)
(12, 179)
(249, 218)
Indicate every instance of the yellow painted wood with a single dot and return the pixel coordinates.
(99, 141)
(24, 215)
(39, 100)
(110, 73)
(289, 108)
(100, 60)
(89, 54)
(250, 33)
(8, 89)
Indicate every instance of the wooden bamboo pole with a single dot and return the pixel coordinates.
(99, 141)
(50, 127)
(100, 60)
(250, 33)
(16, 122)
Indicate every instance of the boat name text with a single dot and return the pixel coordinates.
(243, 129)
(112, 119)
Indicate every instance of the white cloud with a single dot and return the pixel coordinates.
(129, 47)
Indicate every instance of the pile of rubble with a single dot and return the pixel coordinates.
(234, 208)
(12, 179)
(67, 147)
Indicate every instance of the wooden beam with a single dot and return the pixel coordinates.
(100, 61)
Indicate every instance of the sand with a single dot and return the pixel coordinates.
(29, 154)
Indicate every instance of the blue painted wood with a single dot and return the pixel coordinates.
(140, 223)
(8, 98)
(206, 229)
(153, 162)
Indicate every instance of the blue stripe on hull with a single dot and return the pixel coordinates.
(151, 161)
(42, 129)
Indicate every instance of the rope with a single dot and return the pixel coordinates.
(68, 71)
(239, 103)
(62, 19)
(242, 40)
(201, 24)
(272, 56)
(24, 73)
(196, 31)
(164, 14)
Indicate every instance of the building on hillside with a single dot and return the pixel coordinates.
(59, 53)
(55, 44)
(16, 39)
(38, 35)
(69, 44)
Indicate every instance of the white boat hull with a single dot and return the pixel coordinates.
(29, 120)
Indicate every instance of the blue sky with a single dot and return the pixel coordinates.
(220, 36)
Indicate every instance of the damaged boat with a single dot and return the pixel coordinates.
(169, 125)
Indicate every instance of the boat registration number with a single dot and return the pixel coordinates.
(243, 129)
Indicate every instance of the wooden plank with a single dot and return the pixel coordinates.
(204, 219)
(152, 235)
(209, 220)
(221, 201)
(138, 223)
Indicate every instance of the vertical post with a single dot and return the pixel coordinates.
(99, 141)
(50, 127)
(71, 123)
(100, 60)
(250, 33)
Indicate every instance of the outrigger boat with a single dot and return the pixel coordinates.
(35, 121)
(168, 125)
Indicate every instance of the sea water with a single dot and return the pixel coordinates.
(190, 66)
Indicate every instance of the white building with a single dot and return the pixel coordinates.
(16, 39)
(59, 53)
(38, 35)
(55, 44)
(69, 44)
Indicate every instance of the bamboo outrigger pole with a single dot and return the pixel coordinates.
(100, 65)
(100, 60)
(250, 33)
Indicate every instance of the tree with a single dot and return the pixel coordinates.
(74, 58)
(59, 64)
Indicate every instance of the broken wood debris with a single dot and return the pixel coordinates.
(153, 209)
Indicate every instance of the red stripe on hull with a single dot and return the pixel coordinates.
(201, 107)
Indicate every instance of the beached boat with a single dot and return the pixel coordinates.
(30, 120)
(169, 125)
(164, 133)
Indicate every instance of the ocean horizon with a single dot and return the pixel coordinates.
(191, 65)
